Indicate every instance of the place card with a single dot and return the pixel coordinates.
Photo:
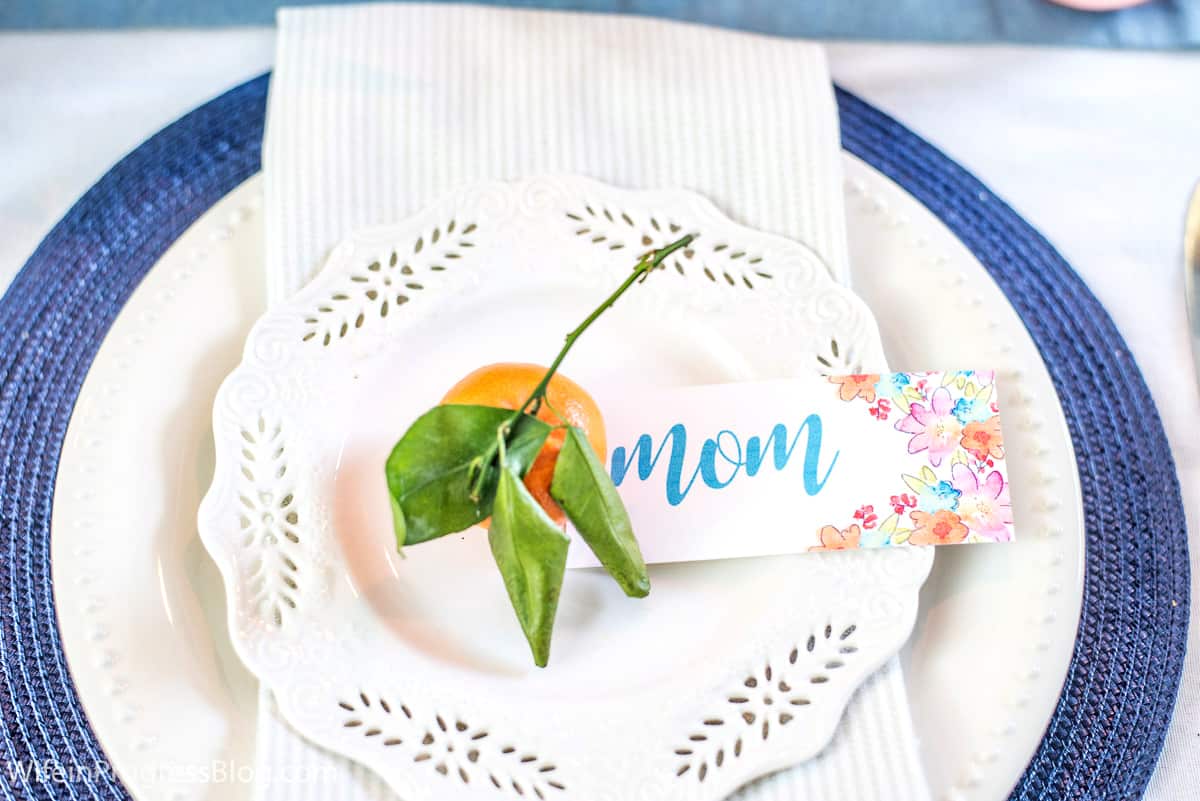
(811, 464)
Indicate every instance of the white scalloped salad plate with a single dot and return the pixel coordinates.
(375, 656)
(415, 666)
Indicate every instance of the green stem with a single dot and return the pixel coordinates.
(501, 437)
(643, 267)
(649, 262)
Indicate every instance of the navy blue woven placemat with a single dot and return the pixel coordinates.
(1109, 725)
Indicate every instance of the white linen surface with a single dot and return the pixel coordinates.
(1098, 149)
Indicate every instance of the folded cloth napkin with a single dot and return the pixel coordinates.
(376, 110)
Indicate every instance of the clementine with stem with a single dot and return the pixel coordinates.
(507, 386)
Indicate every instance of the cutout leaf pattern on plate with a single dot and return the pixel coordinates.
(388, 282)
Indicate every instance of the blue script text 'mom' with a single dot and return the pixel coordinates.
(722, 458)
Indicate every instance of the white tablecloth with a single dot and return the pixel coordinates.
(1099, 149)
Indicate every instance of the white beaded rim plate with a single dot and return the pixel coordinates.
(140, 605)
(414, 666)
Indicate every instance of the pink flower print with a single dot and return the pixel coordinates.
(934, 429)
(984, 507)
(902, 502)
(866, 515)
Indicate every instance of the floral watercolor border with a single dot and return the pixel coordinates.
(960, 492)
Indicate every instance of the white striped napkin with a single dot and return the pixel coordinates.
(376, 110)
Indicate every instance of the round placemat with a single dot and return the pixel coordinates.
(1108, 728)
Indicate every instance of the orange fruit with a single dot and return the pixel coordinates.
(506, 385)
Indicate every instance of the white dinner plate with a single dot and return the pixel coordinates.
(142, 610)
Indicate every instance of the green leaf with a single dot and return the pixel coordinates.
(582, 487)
(430, 470)
(531, 552)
